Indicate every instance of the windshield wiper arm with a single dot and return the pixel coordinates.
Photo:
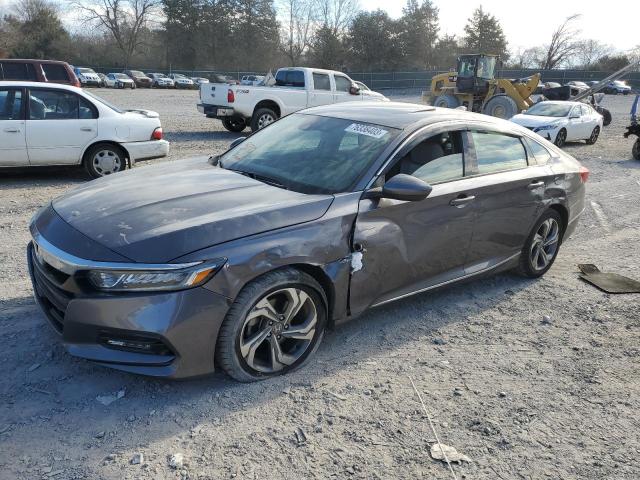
(260, 178)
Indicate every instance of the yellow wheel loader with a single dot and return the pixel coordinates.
(475, 87)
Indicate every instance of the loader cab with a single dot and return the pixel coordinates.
(475, 73)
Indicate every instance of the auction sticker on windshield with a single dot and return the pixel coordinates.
(367, 130)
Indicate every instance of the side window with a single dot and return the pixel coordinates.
(496, 152)
(540, 153)
(10, 104)
(53, 105)
(290, 78)
(438, 159)
(18, 71)
(575, 111)
(86, 110)
(321, 81)
(55, 72)
(343, 84)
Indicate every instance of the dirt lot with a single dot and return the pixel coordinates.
(523, 397)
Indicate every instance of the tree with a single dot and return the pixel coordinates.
(419, 33)
(589, 52)
(125, 20)
(337, 15)
(298, 28)
(255, 34)
(36, 30)
(374, 44)
(446, 52)
(181, 28)
(525, 58)
(327, 49)
(483, 34)
(611, 63)
(563, 44)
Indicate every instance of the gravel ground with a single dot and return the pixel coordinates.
(522, 395)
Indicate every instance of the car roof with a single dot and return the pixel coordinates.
(61, 86)
(399, 115)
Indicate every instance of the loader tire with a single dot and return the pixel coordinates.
(446, 101)
(500, 106)
(606, 116)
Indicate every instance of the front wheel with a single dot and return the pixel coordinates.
(561, 138)
(104, 159)
(263, 117)
(635, 151)
(594, 136)
(235, 125)
(541, 248)
(274, 326)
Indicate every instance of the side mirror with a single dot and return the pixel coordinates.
(574, 116)
(405, 187)
(237, 142)
(354, 90)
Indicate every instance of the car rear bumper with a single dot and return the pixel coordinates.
(169, 334)
(216, 111)
(146, 150)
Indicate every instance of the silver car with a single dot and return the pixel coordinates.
(241, 262)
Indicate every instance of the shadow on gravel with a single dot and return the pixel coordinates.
(631, 164)
(203, 136)
(65, 389)
(17, 177)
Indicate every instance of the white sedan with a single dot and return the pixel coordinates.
(52, 124)
(181, 81)
(119, 80)
(561, 122)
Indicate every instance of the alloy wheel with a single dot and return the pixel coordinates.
(545, 244)
(265, 119)
(278, 330)
(594, 135)
(106, 162)
(561, 138)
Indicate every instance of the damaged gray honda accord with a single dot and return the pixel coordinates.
(243, 261)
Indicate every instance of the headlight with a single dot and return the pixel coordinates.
(546, 127)
(154, 280)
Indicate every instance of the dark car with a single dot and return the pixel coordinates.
(50, 71)
(140, 79)
(241, 262)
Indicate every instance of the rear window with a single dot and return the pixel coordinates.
(55, 72)
(18, 71)
(540, 153)
(290, 78)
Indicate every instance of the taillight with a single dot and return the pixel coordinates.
(230, 96)
(584, 174)
(157, 134)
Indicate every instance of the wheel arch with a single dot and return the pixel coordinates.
(564, 216)
(320, 276)
(106, 142)
(268, 103)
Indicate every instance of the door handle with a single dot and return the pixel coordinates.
(12, 130)
(534, 185)
(461, 202)
(86, 129)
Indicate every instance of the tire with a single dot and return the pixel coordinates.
(235, 125)
(500, 106)
(561, 138)
(635, 150)
(594, 135)
(104, 159)
(446, 101)
(606, 116)
(532, 263)
(247, 361)
(262, 117)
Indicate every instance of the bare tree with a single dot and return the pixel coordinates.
(590, 51)
(298, 29)
(525, 57)
(337, 15)
(563, 44)
(125, 20)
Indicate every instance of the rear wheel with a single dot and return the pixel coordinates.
(635, 151)
(500, 106)
(274, 326)
(234, 124)
(446, 101)
(594, 136)
(104, 159)
(561, 138)
(263, 117)
(541, 248)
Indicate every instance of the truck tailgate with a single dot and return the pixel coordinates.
(214, 93)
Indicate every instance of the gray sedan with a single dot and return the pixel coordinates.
(241, 262)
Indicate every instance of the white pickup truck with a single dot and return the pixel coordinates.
(295, 88)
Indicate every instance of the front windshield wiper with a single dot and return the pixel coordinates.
(261, 178)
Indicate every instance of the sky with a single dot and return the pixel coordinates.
(531, 23)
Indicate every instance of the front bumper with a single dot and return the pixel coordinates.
(90, 83)
(549, 134)
(146, 150)
(216, 111)
(180, 327)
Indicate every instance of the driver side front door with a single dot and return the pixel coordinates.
(407, 246)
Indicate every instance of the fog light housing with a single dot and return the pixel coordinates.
(135, 344)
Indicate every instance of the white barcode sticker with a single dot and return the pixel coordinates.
(367, 130)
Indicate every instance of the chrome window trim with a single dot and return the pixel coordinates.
(70, 264)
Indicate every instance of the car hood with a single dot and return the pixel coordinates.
(156, 214)
(535, 120)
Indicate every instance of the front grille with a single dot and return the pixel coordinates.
(47, 286)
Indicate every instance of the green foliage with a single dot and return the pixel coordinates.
(483, 34)
(373, 40)
(419, 33)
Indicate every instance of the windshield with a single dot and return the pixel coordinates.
(120, 75)
(137, 73)
(86, 70)
(310, 154)
(102, 101)
(544, 109)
